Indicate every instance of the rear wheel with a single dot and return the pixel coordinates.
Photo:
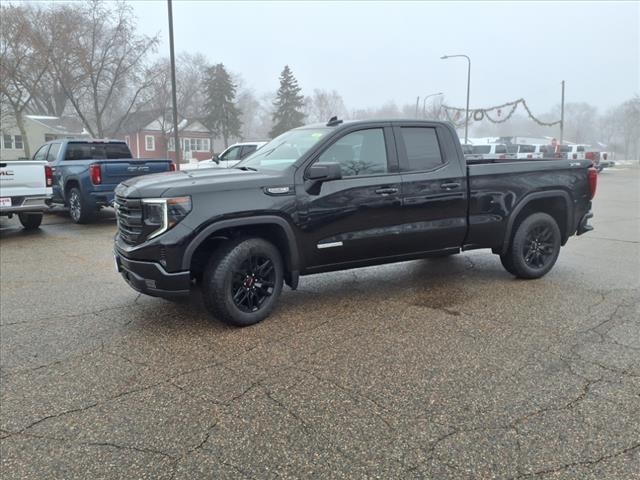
(243, 281)
(79, 211)
(535, 247)
(30, 221)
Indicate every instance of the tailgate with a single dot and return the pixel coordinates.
(22, 178)
(116, 171)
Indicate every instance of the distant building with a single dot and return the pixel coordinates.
(39, 129)
(149, 137)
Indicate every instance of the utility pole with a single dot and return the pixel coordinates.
(174, 98)
(562, 115)
(417, 104)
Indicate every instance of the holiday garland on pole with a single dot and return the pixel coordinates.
(479, 114)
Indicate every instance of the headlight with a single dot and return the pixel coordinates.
(164, 213)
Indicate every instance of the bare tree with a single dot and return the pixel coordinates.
(22, 68)
(99, 61)
(323, 105)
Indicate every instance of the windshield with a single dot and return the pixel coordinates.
(283, 151)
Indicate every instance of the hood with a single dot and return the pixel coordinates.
(189, 182)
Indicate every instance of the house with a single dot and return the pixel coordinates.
(39, 129)
(148, 136)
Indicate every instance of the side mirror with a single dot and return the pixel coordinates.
(323, 172)
(216, 159)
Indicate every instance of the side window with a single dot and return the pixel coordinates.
(423, 150)
(53, 152)
(359, 153)
(233, 154)
(247, 149)
(41, 154)
(501, 149)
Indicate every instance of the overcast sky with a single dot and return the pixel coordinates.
(374, 52)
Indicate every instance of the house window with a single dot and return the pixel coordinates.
(171, 144)
(18, 142)
(8, 141)
(127, 140)
(149, 143)
(207, 144)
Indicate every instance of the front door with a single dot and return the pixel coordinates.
(434, 187)
(356, 217)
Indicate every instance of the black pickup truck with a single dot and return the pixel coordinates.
(342, 195)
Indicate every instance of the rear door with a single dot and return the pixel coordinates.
(357, 217)
(434, 187)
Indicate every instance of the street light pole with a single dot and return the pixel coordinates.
(424, 103)
(174, 99)
(417, 105)
(466, 120)
(562, 115)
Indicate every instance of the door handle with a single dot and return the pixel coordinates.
(386, 191)
(449, 185)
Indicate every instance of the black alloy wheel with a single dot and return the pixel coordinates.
(253, 283)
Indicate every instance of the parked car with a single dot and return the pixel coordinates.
(86, 172)
(344, 195)
(524, 152)
(574, 152)
(490, 151)
(25, 188)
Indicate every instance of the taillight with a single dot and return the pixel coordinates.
(502, 157)
(48, 175)
(604, 155)
(592, 176)
(589, 155)
(172, 167)
(95, 173)
(575, 156)
(529, 156)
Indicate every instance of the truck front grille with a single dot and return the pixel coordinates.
(129, 215)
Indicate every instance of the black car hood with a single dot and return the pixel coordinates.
(188, 182)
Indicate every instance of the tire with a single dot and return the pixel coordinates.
(30, 221)
(535, 247)
(79, 211)
(242, 281)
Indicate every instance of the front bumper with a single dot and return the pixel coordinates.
(151, 278)
(583, 225)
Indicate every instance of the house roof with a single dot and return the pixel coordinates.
(62, 125)
(151, 120)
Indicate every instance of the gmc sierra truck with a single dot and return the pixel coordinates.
(25, 187)
(86, 172)
(338, 196)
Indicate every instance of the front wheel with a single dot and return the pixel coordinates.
(79, 211)
(30, 221)
(535, 247)
(243, 281)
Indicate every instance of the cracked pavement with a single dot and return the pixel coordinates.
(444, 368)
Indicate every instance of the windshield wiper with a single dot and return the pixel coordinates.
(246, 168)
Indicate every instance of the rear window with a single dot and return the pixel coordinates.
(565, 148)
(96, 151)
(526, 149)
(467, 149)
(512, 148)
(481, 149)
(581, 149)
(501, 149)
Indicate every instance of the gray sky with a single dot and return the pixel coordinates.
(374, 52)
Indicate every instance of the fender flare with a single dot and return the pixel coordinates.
(536, 196)
(67, 181)
(294, 255)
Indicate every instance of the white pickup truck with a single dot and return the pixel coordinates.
(25, 187)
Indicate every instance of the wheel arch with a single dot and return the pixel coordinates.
(556, 203)
(271, 227)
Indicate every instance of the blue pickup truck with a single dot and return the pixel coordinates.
(86, 172)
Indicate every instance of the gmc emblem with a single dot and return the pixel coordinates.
(134, 168)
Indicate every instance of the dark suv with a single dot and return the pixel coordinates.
(336, 196)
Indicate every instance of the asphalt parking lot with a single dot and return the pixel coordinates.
(445, 368)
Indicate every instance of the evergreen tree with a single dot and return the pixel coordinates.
(223, 116)
(289, 103)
